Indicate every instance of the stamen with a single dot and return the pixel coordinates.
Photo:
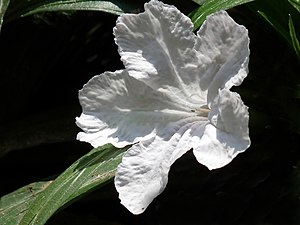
(202, 111)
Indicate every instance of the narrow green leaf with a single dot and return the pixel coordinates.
(64, 5)
(3, 7)
(276, 25)
(276, 13)
(87, 173)
(211, 6)
(14, 205)
(295, 4)
(294, 39)
(25, 8)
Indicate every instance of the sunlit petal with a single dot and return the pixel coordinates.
(143, 173)
(121, 110)
(156, 47)
(223, 46)
(228, 133)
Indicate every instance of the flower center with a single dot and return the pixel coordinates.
(202, 111)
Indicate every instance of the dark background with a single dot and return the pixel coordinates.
(46, 59)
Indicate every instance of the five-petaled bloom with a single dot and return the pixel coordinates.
(173, 96)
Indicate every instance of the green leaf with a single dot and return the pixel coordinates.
(63, 5)
(294, 39)
(211, 6)
(89, 172)
(117, 7)
(14, 205)
(276, 24)
(296, 4)
(276, 13)
(3, 7)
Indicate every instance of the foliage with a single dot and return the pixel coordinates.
(279, 14)
(210, 6)
(25, 8)
(35, 203)
(3, 7)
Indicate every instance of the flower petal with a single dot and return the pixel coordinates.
(143, 173)
(228, 133)
(156, 47)
(223, 47)
(121, 110)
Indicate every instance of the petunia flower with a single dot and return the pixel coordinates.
(173, 96)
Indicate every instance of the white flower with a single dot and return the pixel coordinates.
(172, 96)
